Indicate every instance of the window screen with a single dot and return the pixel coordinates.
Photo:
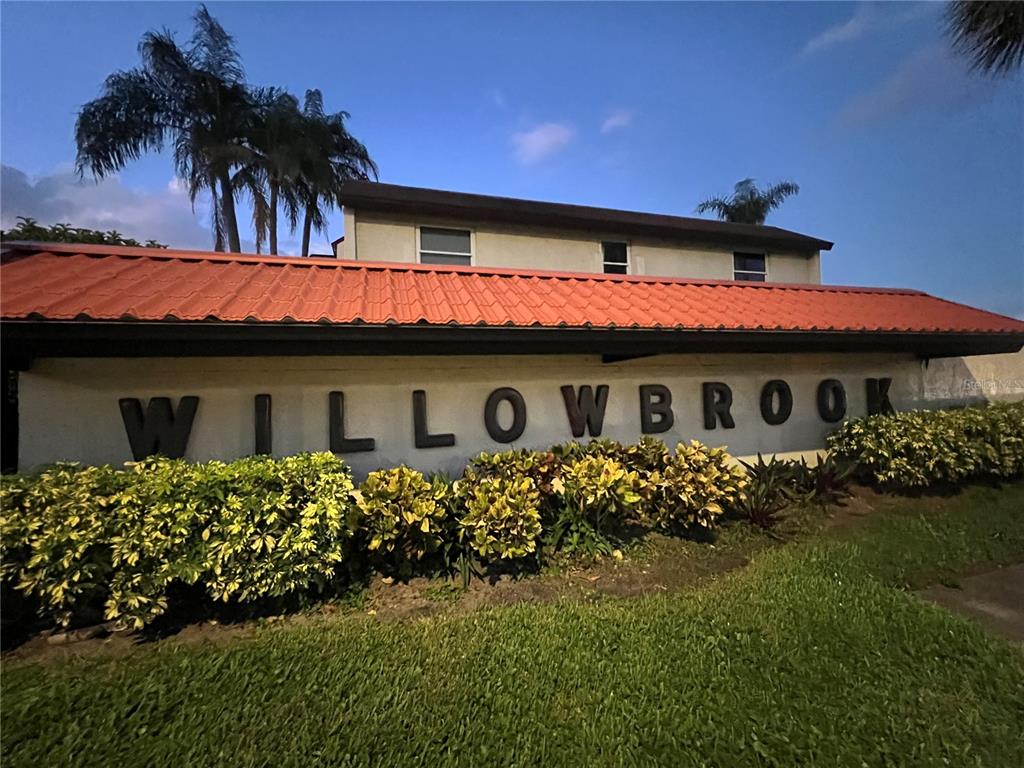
(616, 258)
(749, 266)
(445, 246)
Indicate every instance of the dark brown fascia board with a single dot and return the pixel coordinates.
(392, 198)
(23, 341)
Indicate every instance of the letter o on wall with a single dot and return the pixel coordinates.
(831, 400)
(768, 392)
(494, 429)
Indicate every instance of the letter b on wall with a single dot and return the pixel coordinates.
(655, 401)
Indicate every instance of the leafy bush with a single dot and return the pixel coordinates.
(285, 525)
(404, 516)
(55, 531)
(29, 230)
(542, 467)
(251, 529)
(502, 517)
(601, 491)
(697, 484)
(648, 456)
(917, 449)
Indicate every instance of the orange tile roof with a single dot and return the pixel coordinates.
(107, 283)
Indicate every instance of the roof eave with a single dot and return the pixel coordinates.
(387, 198)
(24, 340)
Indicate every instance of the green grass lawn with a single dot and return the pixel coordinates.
(810, 655)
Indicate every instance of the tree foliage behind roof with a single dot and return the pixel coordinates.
(990, 34)
(30, 230)
(748, 204)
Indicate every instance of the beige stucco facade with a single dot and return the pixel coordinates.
(978, 379)
(69, 407)
(379, 237)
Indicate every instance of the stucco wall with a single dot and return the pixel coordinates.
(391, 238)
(984, 378)
(69, 408)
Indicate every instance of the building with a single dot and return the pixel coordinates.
(427, 226)
(551, 323)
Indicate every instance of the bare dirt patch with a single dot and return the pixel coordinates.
(995, 599)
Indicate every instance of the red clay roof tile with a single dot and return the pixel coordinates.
(106, 283)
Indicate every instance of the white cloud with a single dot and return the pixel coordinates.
(543, 141)
(620, 118)
(165, 215)
(497, 97)
(931, 79)
(849, 30)
(61, 197)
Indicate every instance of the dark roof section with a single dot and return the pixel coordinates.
(387, 198)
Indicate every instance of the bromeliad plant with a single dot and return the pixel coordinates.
(826, 482)
(772, 486)
(404, 517)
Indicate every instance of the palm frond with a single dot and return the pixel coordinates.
(776, 194)
(748, 204)
(715, 205)
(990, 34)
(214, 49)
(313, 104)
(125, 122)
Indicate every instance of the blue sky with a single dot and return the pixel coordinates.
(912, 165)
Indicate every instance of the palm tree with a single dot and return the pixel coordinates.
(991, 34)
(330, 155)
(748, 204)
(193, 99)
(276, 143)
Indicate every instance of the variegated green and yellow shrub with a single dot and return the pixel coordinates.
(601, 491)
(99, 542)
(917, 449)
(597, 495)
(55, 536)
(696, 487)
(502, 518)
(258, 527)
(404, 516)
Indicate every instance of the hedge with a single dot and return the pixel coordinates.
(99, 542)
(918, 449)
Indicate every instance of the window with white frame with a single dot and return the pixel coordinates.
(615, 257)
(446, 246)
(749, 266)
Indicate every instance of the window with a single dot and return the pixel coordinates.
(616, 258)
(446, 246)
(749, 266)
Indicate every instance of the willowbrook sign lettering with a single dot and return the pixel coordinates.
(161, 429)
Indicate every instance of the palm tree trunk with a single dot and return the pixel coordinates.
(307, 226)
(227, 203)
(272, 218)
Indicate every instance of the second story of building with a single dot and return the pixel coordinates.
(386, 222)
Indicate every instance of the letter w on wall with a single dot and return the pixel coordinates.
(585, 411)
(160, 430)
